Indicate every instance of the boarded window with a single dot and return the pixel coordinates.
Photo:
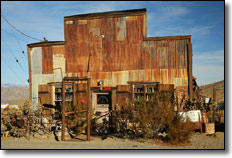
(44, 94)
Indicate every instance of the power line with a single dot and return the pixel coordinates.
(13, 72)
(9, 48)
(19, 30)
(14, 35)
(18, 43)
(17, 61)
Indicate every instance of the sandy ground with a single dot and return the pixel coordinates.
(198, 141)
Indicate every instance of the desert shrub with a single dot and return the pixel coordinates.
(221, 106)
(77, 121)
(179, 131)
(157, 116)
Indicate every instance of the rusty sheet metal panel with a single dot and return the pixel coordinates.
(59, 49)
(45, 94)
(171, 54)
(117, 40)
(148, 55)
(164, 54)
(134, 29)
(44, 88)
(47, 60)
(110, 47)
(44, 98)
(107, 32)
(36, 69)
(36, 60)
(165, 87)
(58, 59)
(178, 77)
(70, 32)
(39, 79)
(70, 58)
(135, 57)
(58, 62)
(122, 99)
(123, 56)
(181, 81)
(123, 88)
(82, 87)
(77, 46)
(120, 28)
(96, 46)
(82, 31)
(164, 76)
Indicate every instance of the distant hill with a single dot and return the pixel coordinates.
(10, 85)
(207, 90)
(14, 94)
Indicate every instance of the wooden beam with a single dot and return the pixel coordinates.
(63, 112)
(190, 79)
(88, 109)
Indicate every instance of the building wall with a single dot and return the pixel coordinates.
(114, 49)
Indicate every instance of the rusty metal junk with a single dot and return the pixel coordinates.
(23, 122)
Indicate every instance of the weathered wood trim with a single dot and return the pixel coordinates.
(190, 80)
(50, 43)
(29, 65)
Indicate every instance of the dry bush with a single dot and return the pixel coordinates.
(158, 116)
(77, 121)
(179, 131)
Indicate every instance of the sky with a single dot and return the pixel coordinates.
(204, 20)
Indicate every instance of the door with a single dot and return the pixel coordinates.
(101, 105)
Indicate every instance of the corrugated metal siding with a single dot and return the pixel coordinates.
(36, 69)
(112, 79)
(109, 43)
(45, 92)
(36, 60)
(112, 49)
(47, 58)
(116, 44)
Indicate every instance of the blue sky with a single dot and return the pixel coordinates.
(203, 20)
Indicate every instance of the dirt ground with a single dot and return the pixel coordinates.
(198, 141)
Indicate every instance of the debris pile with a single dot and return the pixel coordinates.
(196, 103)
(22, 122)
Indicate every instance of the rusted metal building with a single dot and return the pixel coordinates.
(111, 48)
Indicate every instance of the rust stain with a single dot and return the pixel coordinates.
(115, 49)
(47, 60)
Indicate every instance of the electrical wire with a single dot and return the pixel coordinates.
(9, 48)
(12, 71)
(19, 30)
(17, 61)
(19, 43)
(14, 35)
